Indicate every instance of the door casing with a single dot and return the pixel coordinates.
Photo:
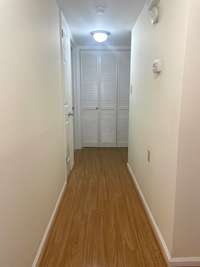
(68, 94)
(120, 111)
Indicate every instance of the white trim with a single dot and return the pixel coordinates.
(187, 261)
(77, 112)
(122, 144)
(48, 228)
(105, 47)
(154, 225)
(78, 109)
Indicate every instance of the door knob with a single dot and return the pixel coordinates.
(70, 114)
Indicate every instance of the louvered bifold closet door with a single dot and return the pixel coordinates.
(123, 98)
(108, 99)
(90, 98)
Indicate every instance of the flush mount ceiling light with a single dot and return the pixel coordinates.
(100, 36)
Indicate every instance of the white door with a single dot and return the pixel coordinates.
(105, 77)
(123, 98)
(90, 99)
(68, 99)
(108, 99)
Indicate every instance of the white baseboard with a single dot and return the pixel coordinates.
(44, 238)
(188, 261)
(175, 262)
(154, 225)
(122, 144)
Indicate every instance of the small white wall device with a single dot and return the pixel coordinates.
(157, 66)
(154, 11)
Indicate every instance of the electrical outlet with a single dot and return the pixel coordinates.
(148, 155)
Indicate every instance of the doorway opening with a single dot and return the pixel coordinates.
(101, 97)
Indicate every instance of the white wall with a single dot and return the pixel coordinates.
(32, 128)
(187, 218)
(155, 109)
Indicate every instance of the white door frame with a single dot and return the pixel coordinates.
(77, 103)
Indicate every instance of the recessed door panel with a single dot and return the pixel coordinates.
(108, 97)
(122, 128)
(108, 128)
(89, 98)
(108, 83)
(89, 95)
(90, 127)
(124, 79)
(104, 98)
(89, 80)
(123, 98)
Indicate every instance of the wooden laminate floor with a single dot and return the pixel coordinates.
(101, 221)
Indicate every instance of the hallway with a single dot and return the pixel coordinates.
(101, 221)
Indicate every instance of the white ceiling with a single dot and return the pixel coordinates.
(118, 18)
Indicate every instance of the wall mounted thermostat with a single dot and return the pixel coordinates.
(157, 66)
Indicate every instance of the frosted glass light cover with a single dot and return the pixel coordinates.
(100, 36)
